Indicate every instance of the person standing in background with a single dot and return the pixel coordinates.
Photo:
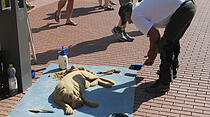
(106, 6)
(119, 30)
(69, 10)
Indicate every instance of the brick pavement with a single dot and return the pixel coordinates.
(92, 43)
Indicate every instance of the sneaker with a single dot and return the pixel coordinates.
(158, 87)
(128, 37)
(29, 6)
(117, 31)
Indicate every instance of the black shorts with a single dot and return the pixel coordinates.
(122, 2)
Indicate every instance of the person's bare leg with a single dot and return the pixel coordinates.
(61, 4)
(69, 10)
(119, 31)
(107, 3)
(120, 25)
(112, 3)
(129, 38)
(107, 6)
(100, 2)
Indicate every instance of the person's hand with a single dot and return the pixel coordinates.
(151, 54)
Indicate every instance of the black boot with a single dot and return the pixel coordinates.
(158, 87)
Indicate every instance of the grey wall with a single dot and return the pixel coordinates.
(14, 37)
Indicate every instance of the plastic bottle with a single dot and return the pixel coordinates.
(63, 58)
(13, 86)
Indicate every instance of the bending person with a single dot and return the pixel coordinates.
(173, 15)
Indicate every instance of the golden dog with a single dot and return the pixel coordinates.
(69, 93)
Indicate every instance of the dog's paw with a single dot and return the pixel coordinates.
(69, 111)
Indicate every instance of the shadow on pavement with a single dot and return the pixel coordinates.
(76, 12)
(78, 49)
(135, 33)
(141, 96)
(81, 48)
(91, 46)
(46, 27)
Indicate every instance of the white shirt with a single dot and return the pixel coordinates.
(157, 13)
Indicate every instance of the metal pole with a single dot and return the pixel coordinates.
(31, 41)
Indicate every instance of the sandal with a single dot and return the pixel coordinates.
(100, 7)
(57, 18)
(108, 8)
(71, 23)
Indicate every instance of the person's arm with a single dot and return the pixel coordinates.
(154, 36)
(147, 28)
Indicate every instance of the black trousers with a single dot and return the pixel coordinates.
(169, 46)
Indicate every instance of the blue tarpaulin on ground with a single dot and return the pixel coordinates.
(118, 99)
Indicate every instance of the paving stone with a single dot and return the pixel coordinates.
(92, 43)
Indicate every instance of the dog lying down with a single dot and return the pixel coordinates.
(69, 93)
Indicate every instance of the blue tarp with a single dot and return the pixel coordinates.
(118, 99)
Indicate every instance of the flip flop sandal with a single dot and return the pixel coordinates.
(57, 18)
(71, 23)
(100, 7)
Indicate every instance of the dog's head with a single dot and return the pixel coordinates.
(74, 101)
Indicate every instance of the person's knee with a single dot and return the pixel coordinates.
(165, 49)
(161, 45)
